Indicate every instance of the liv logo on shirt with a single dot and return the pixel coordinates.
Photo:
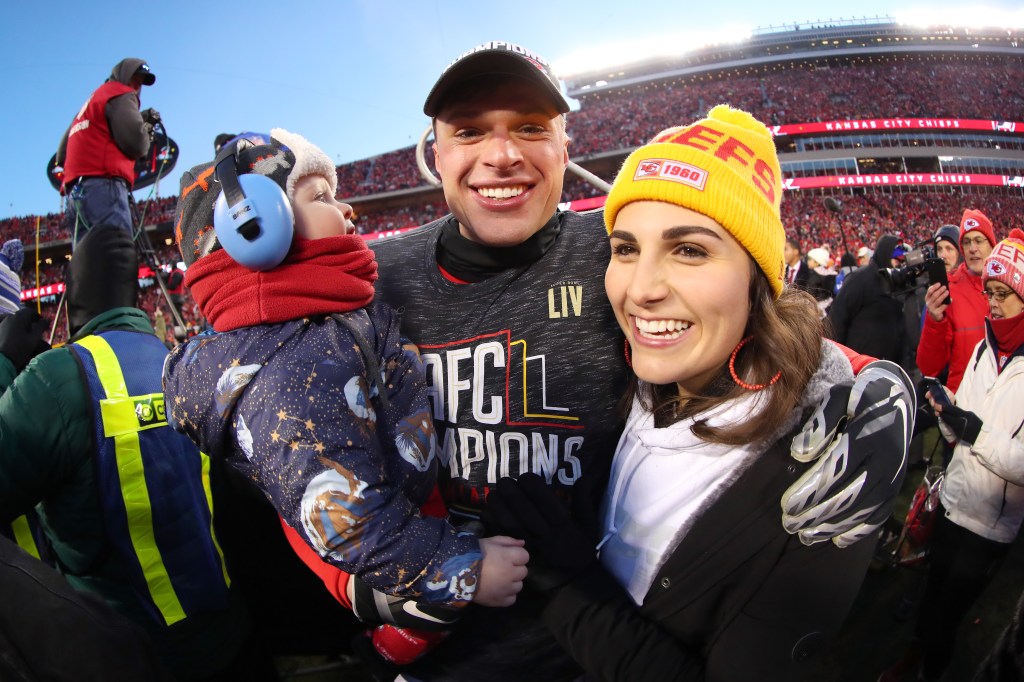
(565, 300)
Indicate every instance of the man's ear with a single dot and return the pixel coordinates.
(433, 146)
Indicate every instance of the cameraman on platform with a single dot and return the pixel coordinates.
(99, 149)
(952, 331)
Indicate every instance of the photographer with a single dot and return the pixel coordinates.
(946, 247)
(951, 331)
(863, 316)
(99, 149)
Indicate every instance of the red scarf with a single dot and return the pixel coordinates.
(318, 277)
(1009, 335)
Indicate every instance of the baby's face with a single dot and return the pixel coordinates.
(317, 213)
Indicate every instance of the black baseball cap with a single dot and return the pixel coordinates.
(496, 58)
(147, 75)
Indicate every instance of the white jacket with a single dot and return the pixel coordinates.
(983, 489)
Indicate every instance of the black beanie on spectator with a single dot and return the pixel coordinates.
(103, 275)
(949, 233)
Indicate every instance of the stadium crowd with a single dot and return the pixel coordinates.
(627, 117)
(620, 119)
(912, 216)
(52, 228)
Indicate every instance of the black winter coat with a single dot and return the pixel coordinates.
(863, 316)
(705, 615)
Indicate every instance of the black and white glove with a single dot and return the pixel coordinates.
(150, 116)
(964, 424)
(528, 508)
(858, 439)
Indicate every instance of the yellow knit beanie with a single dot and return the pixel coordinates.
(724, 167)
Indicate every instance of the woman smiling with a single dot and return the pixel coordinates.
(696, 579)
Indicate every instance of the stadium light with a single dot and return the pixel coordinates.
(599, 57)
(966, 17)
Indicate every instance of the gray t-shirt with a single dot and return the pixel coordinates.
(525, 371)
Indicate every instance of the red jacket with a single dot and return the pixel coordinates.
(91, 149)
(951, 341)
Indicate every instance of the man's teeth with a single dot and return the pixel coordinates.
(662, 328)
(501, 192)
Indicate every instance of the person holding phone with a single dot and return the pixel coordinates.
(952, 329)
(982, 499)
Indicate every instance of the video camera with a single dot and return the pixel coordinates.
(919, 260)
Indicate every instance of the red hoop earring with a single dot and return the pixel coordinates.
(629, 360)
(736, 378)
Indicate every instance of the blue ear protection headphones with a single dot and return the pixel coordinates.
(252, 218)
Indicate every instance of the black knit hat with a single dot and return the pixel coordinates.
(949, 233)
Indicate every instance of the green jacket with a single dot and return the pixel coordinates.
(46, 447)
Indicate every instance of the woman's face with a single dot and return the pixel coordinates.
(1010, 306)
(679, 285)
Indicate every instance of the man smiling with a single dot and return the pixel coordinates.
(501, 163)
(505, 299)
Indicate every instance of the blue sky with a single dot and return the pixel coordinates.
(349, 75)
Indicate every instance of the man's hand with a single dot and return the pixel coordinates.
(559, 548)
(502, 571)
(858, 439)
(935, 301)
(150, 116)
(21, 337)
